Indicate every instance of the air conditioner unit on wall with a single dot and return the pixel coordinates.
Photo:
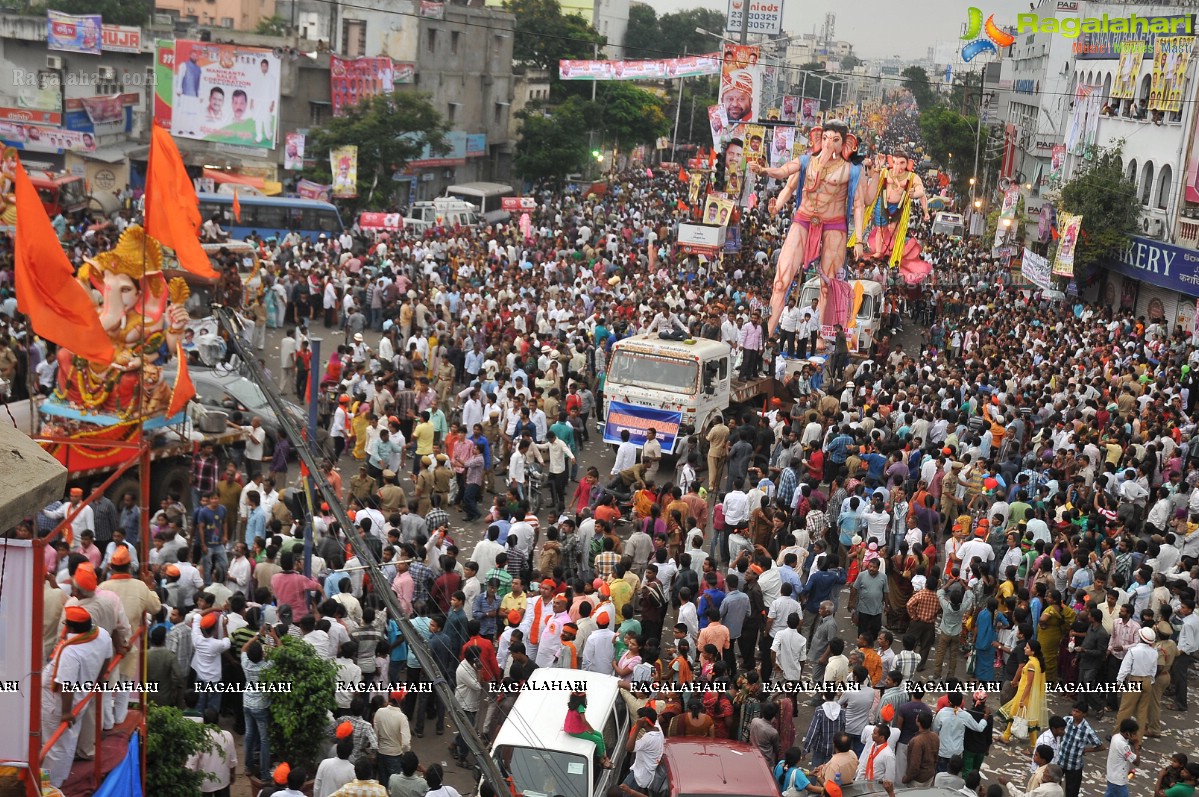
(54, 62)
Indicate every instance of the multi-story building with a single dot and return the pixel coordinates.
(243, 15)
(462, 59)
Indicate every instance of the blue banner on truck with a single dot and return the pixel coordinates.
(636, 419)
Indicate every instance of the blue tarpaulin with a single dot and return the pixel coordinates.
(126, 779)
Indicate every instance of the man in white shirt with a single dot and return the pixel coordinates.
(790, 650)
(84, 521)
(647, 752)
(877, 762)
(626, 454)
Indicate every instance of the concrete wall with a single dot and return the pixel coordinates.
(241, 15)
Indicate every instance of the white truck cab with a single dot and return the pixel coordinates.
(951, 224)
(676, 386)
(442, 212)
(865, 325)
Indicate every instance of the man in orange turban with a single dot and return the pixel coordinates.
(79, 658)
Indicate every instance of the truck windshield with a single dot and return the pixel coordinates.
(544, 773)
(73, 193)
(647, 370)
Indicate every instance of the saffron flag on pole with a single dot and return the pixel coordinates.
(184, 390)
(172, 209)
(236, 206)
(59, 307)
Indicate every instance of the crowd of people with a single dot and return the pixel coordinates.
(1014, 502)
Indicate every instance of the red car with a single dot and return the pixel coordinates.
(710, 767)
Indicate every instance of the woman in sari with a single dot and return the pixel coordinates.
(986, 638)
(1053, 628)
(1029, 701)
(899, 588)
(1067, 659)
(359, 425)
(693, 722)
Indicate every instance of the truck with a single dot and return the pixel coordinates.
(678, 387)
(951, 224)
(442, 212)
(860, 335)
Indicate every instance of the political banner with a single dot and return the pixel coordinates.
(432, 10)
(293, 152)
(636, 420)
(790, 108)
(73, 34)
(35, 138)
(344, 163)
(1057, 160)
(514, 204)
(755, 145)
(718, 122)
(1129, 69)
(307, 189)
(372, 220)
(809, 112)
(1171, 54)
(104, 110)
(1036, 270)
(164, 81)
(717, 210)
(653, 69)
(1011, 198)
(694, 183)
(225, 94)
(780, 148)
(352, 80)
(740, 83)
(1069, 229)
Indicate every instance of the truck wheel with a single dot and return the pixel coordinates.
(125, 484)
(173, 479)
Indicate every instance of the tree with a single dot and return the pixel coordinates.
(114, 12)
(171, 739)
(298, 716)
(850, 62)
(552, 144)
(389, 130)
(949, 137)
(677, 32)
(813, 66)
(544, 35)
(915, 80)
(272, 26)
(630, 114)
(1107, 201)
(643, 38)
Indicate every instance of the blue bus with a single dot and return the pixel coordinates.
(272, 216)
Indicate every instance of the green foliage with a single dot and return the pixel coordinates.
(114, 12)
(949, 138)
(850, 62)
(272, 26)
(630, 114)
(642, 39)
(299, 717)
(671, 35)
(552, 144)
(813, 66)
(544, 35)
(915, 80)
(698, 94)
(170, 740)
(1107, 201)
(389, 130)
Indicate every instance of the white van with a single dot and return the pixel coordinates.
(542, 759)
(951, 224)
(442, 212)
(487, 197)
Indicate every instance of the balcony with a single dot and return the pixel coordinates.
(1188, 232)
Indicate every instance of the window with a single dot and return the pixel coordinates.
(1176, 116)
(106, 88)
(272, 217)
(454, 36)
(1146, 183)
(318, 112)
(499, 114)
(1164, 184)
(1131, 172)
(431, 40)
(226, 22)
(353, 37)
(1107, 86)
(451, 112)
(1143, 95)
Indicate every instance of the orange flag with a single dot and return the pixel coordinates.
(172, 210)
(711, 158)
(236, 206)
(59, 307)
(681, 205)
(184, 390)
(683, 175)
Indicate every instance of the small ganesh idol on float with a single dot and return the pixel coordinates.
(145, 319)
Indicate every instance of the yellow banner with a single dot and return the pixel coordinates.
(1171, 54)
(1125, 85)
(344, 163)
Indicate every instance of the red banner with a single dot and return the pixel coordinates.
(515, 203)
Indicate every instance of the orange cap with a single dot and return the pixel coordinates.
(120, 556)
(344, 730)
(208, 620)
(76, 614)
(171, 571)
(888, 713)
(85, 577)
(280, 774)
(514, 617)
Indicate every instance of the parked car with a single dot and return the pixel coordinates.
(542, 759)
(698, 767)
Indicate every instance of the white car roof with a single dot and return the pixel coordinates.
(537, 718)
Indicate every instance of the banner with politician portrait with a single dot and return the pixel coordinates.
(1171, 55)
(1124, 85)
(740, 83)
(780, 149)
(718, 210)
(293, 153)
(225, 94)
(343, 161)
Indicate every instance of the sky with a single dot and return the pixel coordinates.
(872, 26)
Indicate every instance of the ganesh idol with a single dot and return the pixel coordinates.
(828, 219)
(144, 318)
(895, 190)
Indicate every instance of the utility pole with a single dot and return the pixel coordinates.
(745, 6)
(678, 110)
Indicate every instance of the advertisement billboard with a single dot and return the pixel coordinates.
(740, 83)
(344, 163)
(636, 420)
(73, 34)
(765, 17)
(662, 69)
(223, 93)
